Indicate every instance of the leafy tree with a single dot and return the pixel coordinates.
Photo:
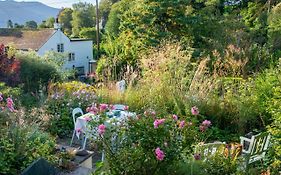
(105, 8)
(83, 16)
(65, 18)
(10, 24)
(49, 23)
(18, 26)
(30, 25)
(113, 22)
(274, 27)
(88, 33)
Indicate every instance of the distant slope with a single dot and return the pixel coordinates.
(20, 12)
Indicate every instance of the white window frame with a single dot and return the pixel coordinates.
(71, 56)
(60, 47)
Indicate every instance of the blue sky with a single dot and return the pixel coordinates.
(60, 3)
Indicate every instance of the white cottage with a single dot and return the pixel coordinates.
(79, 51)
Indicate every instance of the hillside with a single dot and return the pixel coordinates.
(20, 12)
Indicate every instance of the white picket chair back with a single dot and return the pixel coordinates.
(75, 111)
(257, 147)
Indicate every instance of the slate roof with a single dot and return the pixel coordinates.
(23, 39)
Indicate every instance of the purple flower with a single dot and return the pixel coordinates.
(194, 110)
(159, 154)
(103, 107)
(206, 123)
(101, 129)
(158, 122)
(175, 117)
(182, 123)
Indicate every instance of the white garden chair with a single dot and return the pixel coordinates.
(254, 148)
(75, 111)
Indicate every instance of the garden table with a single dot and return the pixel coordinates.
(114, 117)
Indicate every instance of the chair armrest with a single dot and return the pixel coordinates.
(247, 140)
(244, 139)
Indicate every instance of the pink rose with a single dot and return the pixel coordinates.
(182, 123)
(126, 108)
(93, 109)
(158, 122)
(88, 119)
(9, 100)
(101, 129)
(194, 110)
(206, 123)
(202, 128)
(159, 154)
(103, 107)
(111, 107)
(175, 117)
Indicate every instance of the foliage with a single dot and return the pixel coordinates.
(82, 16)
(49, 23)
(274, 27)
(113, 22)
(214, 165)
(105, 7)
(158, 141)
(7, 91)
(20, 144)
(9, 67)
(57, 60)
(272, 104)
(88, 33)
(35, 73)
(65, 18)
(62, 99)
(30, 25)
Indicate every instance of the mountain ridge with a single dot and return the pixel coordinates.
(20, 12)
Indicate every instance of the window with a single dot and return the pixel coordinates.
(71, 56)
(60, 47)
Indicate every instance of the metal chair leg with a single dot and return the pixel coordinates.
(102, 156)
(84, 144)
(72, 137)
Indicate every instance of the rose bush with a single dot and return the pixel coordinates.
(147, 143)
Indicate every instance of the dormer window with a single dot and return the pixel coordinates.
(71, 56)
(60, 47)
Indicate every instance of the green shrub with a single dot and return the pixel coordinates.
(215, 165)
(273, 104)
(20, 146)
(35, 73)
